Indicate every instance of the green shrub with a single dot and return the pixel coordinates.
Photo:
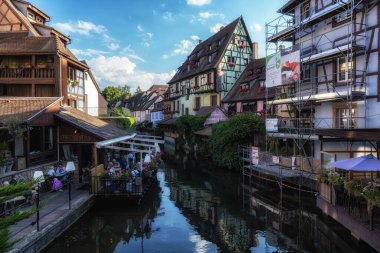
(228, 135)
(187, 125)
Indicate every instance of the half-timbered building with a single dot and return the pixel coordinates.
(210, 70)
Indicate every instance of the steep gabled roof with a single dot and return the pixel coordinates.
(24, 20)
(20, 42)
(201, 52)
(25, 108)
(252, 74)
(90, 124)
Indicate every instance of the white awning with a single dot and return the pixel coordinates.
(102, 144)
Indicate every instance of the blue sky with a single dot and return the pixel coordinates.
(140, 42)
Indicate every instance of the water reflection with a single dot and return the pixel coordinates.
(192, 211)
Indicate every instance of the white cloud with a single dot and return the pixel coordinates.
(165, 57)
(198, 2)
(207, 15)
(87, 52)
(184, 47)
(80, 27)
(139, 28)
(146, 37)
(216, 28)
(117, 70)
(136, 57)
(113, 46)
(168, 16)
(150, 35)
(194, 37)
(256, 27)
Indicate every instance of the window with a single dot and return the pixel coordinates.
(196, 81)
(209, 78)
(183, 109)
(197, 103)
(345, 66)
(344, 119)
(177, 87)
(231, 59)
(31, 15)
(306, 73)
(187, 111)
(187, 93)
(305, 10)
(209, 58)
(85, 76)
(209, 47)
(246, 61)
(214, 100)
(177, 106)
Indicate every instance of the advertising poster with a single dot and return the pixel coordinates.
(255, 155)
(290, 70)
(271, 125)
(283, 68)
(273, 70)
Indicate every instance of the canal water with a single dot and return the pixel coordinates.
(202, 211)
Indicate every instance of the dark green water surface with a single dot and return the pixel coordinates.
(194, 211)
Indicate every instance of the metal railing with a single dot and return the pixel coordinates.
(121, 187)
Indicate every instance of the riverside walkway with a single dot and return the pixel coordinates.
(55, 217)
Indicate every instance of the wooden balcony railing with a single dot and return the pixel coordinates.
(27, 73)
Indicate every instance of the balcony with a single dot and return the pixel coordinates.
(204, 88)
(323, 88)
(23, 74)
(284, 27)
(312, 127)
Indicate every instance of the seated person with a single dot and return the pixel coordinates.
(61, 172)
(111, 168)
(115, 163)
(57, 185)
(51, 171)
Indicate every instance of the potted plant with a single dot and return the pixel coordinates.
(354, 188)
(372, 194)
(3, 165)
(335, 179)
(322, 176)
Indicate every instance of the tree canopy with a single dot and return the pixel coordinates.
(228, 135)
(114, 94)
(138, 90)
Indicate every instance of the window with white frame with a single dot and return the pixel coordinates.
(344, 70)
(344, 119)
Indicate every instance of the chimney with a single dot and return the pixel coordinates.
(255, 50)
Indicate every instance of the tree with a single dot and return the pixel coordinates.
(228, 135)
(138, 90)
(114, 94)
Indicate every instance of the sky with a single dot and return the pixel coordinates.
(143, 42)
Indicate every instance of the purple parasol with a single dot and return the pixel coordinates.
(362, 163)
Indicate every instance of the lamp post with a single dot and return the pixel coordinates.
(38, 176)
(70, 168)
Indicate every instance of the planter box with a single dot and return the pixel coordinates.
(20, 163)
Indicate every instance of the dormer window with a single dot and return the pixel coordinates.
(218, 43)
(231, 61)
(209, 58)
(249, 72)
(209, 47)
(244, 87)
(31, 15)
(241, 43)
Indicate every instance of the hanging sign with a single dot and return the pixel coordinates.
(255, 155)
(271, 125)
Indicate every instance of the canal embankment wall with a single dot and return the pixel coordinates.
(56, 223)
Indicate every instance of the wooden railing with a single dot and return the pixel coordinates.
(27, 73)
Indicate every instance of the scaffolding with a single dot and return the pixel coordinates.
(313, 30)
